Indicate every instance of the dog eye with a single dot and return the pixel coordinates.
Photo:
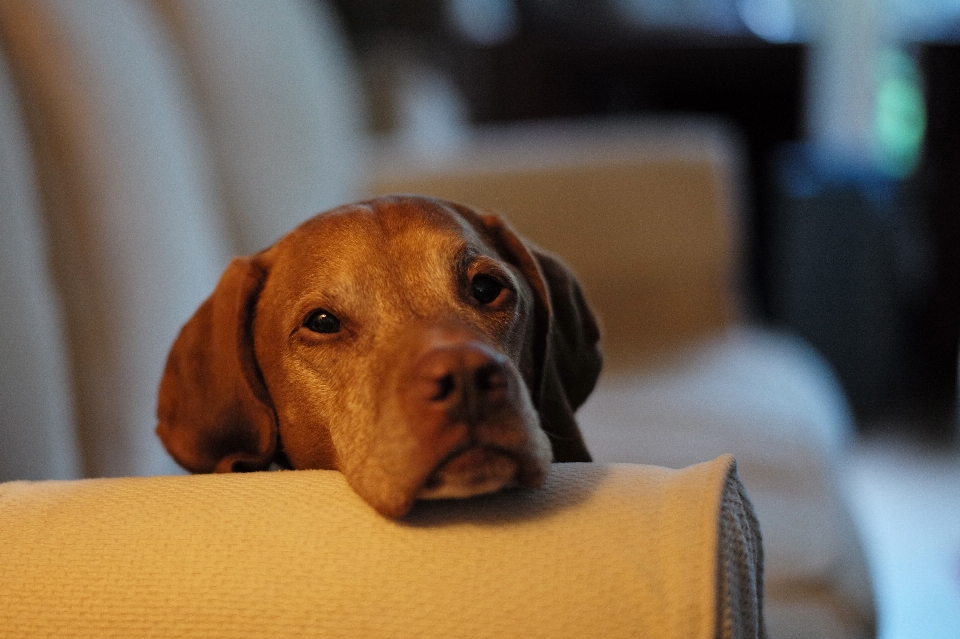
(321, 321)
(485, 289)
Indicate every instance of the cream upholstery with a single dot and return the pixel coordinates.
(764, 397)
(36, 432)
(647, 213)
(146, 185)
(601, 551)
(127, 204)
(280, 104)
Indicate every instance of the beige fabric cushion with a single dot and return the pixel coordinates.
(279, 99)
(130, 211)
(600, 551)
(168, 135)
(37, 438)
(770, 400)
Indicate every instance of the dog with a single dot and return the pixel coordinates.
(416, 345)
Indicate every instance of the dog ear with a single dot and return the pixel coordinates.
(567, 357)
(215, 414)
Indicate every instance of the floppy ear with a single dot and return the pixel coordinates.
(567, 357)
(214, 411)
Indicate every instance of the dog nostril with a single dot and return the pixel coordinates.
(490, 377)
(445, 386)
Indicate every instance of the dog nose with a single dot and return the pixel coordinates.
(466, 379)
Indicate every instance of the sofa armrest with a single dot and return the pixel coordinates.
(602, 550)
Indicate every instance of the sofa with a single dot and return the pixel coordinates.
(649, 213)
(142, 143)
(603, 550)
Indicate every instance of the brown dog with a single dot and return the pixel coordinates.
(415, 345)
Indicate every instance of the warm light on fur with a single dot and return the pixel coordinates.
(412, 386)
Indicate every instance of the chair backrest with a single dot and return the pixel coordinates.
(37, 438)
(645, 211)
(159, 138)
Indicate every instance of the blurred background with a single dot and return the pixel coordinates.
(846, 110)
(848, 116)
(144, 142)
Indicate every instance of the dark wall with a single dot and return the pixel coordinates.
(755, 86)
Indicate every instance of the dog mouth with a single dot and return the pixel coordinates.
(475, 469)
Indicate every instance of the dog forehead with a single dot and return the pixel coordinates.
(388, 234)
(362, 249)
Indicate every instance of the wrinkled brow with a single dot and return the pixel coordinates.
(466, 254)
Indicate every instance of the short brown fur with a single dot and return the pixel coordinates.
(423, 391)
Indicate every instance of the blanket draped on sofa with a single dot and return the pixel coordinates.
(603, 550)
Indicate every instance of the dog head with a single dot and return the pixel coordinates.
(419, 347)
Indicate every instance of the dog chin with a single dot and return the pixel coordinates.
(475, 471)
